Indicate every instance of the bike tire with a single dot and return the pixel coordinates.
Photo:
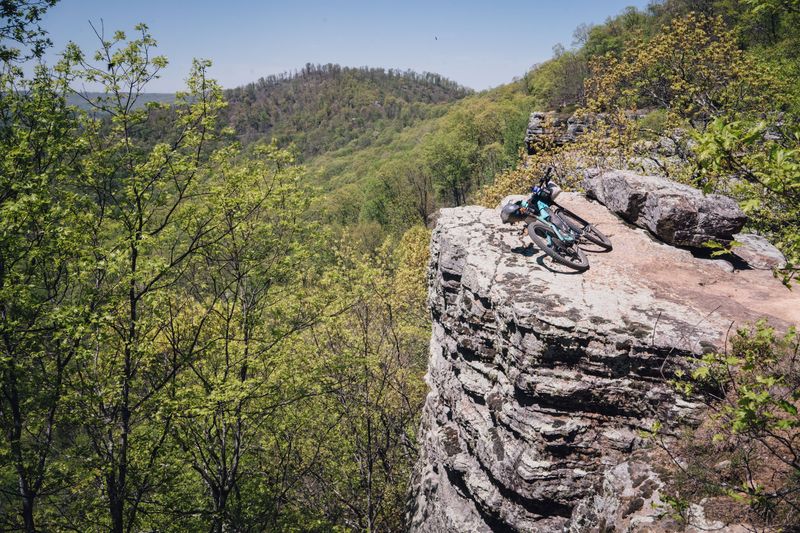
(586, 229)
(567, 254)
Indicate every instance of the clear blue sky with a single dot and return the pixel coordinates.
(478, 44)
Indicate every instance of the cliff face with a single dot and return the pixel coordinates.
(540, 379)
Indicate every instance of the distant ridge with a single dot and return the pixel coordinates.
(325, 107)
(143, 99)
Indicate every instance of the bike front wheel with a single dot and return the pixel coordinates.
(546, 239)
(587, 230)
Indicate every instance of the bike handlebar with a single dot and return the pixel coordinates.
(544, 179)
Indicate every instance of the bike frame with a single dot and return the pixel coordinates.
(546, 217)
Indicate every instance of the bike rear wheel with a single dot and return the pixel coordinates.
(546, 239)
(587, 230)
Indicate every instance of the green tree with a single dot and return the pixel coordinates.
(746, 451)
(255, 281)
(149, 227)
(760, 166)
(452, 161)
(790, 6)
(19, 23)
(41, 302)
(559, 81)
(692, 68)
(374, 353)
(41, 305)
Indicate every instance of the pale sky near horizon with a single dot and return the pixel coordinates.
(478, 44)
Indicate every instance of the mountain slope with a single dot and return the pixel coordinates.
(141, 100)
(404, 174)
(323, 108)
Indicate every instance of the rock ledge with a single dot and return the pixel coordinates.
(541, 379)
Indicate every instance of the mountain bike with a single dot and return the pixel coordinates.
(554, 229)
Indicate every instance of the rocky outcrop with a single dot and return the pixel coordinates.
(676, 213)
(629, 500)
(541, 379)
(547, 128)
(624, 501)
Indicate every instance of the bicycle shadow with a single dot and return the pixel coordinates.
(543, 260)
(556, 268)
(527, 250)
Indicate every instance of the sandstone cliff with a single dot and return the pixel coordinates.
(540, 379)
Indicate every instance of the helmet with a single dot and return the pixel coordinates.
(510, 213)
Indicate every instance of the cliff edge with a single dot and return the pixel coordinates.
(540, 379)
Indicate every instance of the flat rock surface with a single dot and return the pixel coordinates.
(640, 278)
(541, 379)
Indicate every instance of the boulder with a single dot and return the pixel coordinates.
(675, 213)
(758, 252)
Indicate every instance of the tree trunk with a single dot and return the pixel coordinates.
(115, 504)
(220, 502)
(15, 439)
(27, 513)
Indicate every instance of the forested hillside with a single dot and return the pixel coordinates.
(212, 310)
(403, 176)
(322, 108)
(383, 148)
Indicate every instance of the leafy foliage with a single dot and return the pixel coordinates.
(20, 25)
(693, 68)
(608, 144)
(403, 177)
(43, 309)
(761, 168)
(558, 83)
(161, 287)
(746, 452)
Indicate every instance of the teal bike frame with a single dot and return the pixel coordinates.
(546, 218)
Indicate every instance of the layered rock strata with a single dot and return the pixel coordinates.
(541, 379)
(546, 128)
